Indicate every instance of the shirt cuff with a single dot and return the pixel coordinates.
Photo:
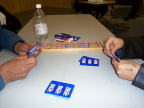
(2, 84)
(139, 80)
(119, 52)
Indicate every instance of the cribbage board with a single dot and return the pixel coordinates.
(72, 46)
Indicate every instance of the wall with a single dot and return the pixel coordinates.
(58, 3)
(17, 6)
(11, 6)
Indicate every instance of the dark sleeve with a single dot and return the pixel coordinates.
(8, 39)
(2, 84)
(133, 48)
(139, 80)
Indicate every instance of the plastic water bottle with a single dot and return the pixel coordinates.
(40, 23)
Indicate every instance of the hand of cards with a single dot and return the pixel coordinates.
(33, 50)
(115, 57)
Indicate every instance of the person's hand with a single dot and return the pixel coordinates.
(112, 44)
(22, 48)
(17, 68)
(126, 69)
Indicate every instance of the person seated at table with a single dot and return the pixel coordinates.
(129, 48)
(12, 23)
(18, 67)
(136, 4)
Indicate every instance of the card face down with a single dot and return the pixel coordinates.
(60, 89)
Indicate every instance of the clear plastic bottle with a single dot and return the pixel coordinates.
(40, 23)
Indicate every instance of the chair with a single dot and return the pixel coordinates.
(119, 13)
(140, 11)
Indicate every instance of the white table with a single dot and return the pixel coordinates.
(95, 87)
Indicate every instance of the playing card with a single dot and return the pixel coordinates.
(115, 56)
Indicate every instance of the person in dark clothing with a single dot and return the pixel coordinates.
(18, 67)
(136, 4)
(12, 23)
(129, 48)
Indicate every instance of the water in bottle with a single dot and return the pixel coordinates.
(40, 23)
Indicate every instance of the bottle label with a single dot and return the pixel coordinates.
(41, 29)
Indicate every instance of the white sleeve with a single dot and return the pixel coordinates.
(2, 19)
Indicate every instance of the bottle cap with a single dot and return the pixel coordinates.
(38, 5)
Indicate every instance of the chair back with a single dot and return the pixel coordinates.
(121, 12)
(140, 11)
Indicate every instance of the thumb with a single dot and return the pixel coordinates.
(26, 47)
(27, 60)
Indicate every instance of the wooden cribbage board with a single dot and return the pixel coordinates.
(72, 46)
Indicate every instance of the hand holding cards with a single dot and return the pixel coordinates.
(33, 50)
(115, 57)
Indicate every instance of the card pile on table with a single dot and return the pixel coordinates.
(62, 37)
(60, 89)
(88, 61)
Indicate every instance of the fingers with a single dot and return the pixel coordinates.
(107, 51)
(17, 68)
(19, 76)
(108, 46)
(114, 62)
(22, 75)
(38, 50)
(114, 49)
(112, 44)
(31, 60)
(126, 69)
(27, 62)
(41, 44)
(24, 48)
(21, 57)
